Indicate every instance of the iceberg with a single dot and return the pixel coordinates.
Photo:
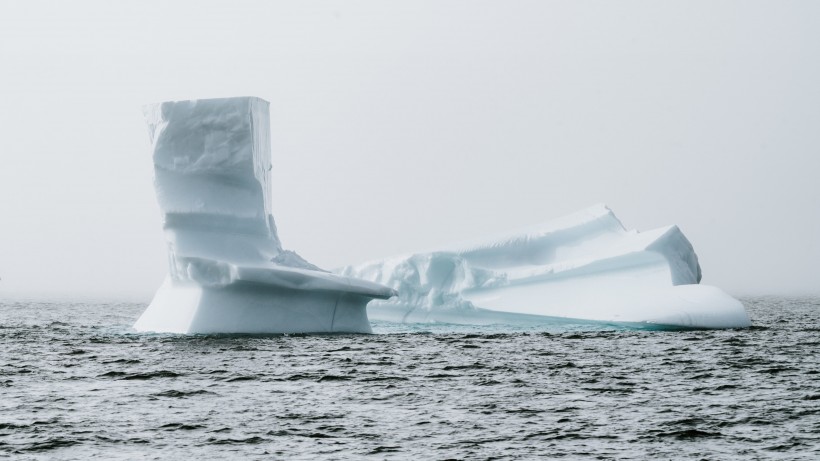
(228, 272)
(585, 266)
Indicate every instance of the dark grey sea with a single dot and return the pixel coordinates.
(77, 383)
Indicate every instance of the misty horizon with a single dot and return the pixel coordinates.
(398, 128)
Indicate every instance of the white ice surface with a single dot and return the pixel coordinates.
(583, 266)
(228, 272)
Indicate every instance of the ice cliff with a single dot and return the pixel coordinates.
(585, 266)
(228, 272)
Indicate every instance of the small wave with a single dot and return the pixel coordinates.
(344, 348)
(104, 439)
(299, 377)
(724, 387)
(383, 378)
(565, 409)
(525, 411)
(487, 336)
(384, 449)
(112, 374)
(181, 394)
(250, 440)
(50, 444)
(602, 390)
(334, 378)
(152, 375)
(4, 426)
(139, 376)
(538, 435)
(122, 361)
(475, 366)
(241, 378)
(702, 376)
(687, 434)
(180, 427)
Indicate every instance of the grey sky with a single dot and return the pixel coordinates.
(404, 126)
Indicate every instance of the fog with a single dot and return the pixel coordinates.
(405, 126)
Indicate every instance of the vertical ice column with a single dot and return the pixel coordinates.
(228, 272)
(212, 164)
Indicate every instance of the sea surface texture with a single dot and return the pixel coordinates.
(77, 383)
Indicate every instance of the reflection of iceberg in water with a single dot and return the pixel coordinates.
(228, 272)
(584, 266)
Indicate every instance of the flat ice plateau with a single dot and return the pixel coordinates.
(228, 272)
(585, 266)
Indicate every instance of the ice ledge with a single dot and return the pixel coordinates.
(583, 266)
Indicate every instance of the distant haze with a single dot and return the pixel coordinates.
(401, 126)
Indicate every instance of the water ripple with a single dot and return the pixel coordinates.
(77, 383)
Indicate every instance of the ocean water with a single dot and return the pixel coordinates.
(77, 383)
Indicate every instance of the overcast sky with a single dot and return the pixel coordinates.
(400, 126)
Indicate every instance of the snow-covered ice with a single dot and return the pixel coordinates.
(584, 266)
(228, 272)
